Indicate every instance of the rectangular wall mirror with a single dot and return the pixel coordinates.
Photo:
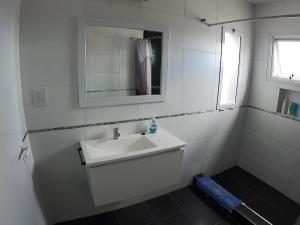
(121, 62)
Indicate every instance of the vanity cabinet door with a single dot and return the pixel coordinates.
(126, 179)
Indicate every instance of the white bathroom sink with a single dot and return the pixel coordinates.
(104, 151)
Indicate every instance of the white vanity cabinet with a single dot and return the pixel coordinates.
(126, 179)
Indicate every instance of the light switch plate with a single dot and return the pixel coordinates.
(39, 97)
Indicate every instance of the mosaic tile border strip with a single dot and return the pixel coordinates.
(275, 113)
(130, 120)
(158, 117)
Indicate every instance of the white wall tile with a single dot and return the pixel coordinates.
(287, 131)
(107, 63)
(48, 64)
(172, 103)
(265, 97)
(276, 177)
(127, 81)
(38, 24)
(260, 122)
(261, 48)
(213, 165)
(91, 63)
(170, 124)
(259, 73)
(253, 164)
(60, 149)
(107, 45)
(233, 9)
(128, 64)
(255, 144)
(111, 113)
(198, 81)
(99, 132)
(174, 22)
(103, 45)
(62, 108)
(220, 122)
(193, 127)
(172, 6)
(283, 156)
(233, 146)
(107, 81)
(128, 47)
(217, 145)
(297, 169)
(196, 35)
(114, 9)
(91, 81)
(194, 152)
(190, 171)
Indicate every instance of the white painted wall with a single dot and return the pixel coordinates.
(19, 204)
(48, 59)
(271, 146)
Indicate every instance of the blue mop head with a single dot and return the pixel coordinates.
(225, 199)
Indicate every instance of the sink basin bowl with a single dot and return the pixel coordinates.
(104, 151)
(111, 147)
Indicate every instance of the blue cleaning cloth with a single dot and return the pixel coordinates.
(218, 193)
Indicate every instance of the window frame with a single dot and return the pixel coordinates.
(221, 67)
(269, 76)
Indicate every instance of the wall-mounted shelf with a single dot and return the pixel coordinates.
(286, 97)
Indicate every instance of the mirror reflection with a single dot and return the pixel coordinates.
(123, 62)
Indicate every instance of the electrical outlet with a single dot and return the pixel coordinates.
(39, 97)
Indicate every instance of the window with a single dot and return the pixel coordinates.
(229, 72)
(285, 59)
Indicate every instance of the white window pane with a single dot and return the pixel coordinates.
(286, 54)
(230, 68)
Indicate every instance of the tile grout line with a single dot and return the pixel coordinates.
(117, 218)
(150, 213)
(164, 218)
(177, 203)
(168, 217)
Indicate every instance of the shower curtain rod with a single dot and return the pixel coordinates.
(203, 20)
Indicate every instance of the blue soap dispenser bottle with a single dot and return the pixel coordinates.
(153, 126)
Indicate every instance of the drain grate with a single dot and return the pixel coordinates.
(242, 213)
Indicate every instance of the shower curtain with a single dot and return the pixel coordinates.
(143, 79)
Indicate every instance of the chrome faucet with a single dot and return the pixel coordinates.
(116, 133)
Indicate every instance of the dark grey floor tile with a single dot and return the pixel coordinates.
(102, 219)
(282, 203)
(241, 192)
(229, 221)
(255, 185)
(73, 222)
(223, 179)
(186, 197)
(179, 219)
(134, 215)
(162, 207)
(270, 213)
(203, 214)
(292, 209)
(237, 174)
